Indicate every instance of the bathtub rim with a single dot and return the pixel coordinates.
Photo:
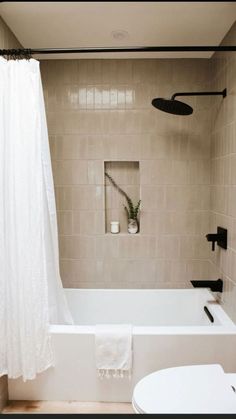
(212, 302)
(149, 330)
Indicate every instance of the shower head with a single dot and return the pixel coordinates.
(172, 106)
(176, 107)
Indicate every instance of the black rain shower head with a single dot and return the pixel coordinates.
(172, 106)
(177, 107)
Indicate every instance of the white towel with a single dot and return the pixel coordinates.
(113, 350)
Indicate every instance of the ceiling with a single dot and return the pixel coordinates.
(90, 24)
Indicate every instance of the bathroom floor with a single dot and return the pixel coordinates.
(66, 407)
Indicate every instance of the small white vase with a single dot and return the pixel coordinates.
(115, 227)
(132, 226)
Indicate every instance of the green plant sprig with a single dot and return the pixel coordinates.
(131, 210)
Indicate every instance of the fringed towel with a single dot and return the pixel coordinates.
(113, 350)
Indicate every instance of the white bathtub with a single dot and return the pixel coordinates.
(170, 328)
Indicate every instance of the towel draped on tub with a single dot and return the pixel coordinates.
(113, 350)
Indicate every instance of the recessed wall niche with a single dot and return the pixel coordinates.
(126, 176)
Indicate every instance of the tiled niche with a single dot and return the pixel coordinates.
(126, 176)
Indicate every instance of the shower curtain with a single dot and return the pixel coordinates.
(31, 292)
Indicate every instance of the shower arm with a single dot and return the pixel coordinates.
(223, 93)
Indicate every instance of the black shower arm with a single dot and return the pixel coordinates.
(223, 93)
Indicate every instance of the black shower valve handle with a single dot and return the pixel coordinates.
(213, 239)
(220, 238)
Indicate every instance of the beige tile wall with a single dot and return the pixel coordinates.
(223, 169)
(101, 110)
(7, 38)
(7, 41)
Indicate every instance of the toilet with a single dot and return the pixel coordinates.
(186, 389)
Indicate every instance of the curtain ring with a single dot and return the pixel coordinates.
(17, 54)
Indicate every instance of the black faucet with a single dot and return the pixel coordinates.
(220, 238)
(216, 286)
(212, 238)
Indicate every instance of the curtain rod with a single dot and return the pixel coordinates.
(87, 50)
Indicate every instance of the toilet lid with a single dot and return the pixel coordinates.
(189, 389)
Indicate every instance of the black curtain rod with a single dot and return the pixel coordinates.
(115, 49)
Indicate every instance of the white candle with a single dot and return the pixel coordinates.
(115, 226)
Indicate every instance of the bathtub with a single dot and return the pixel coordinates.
(170, 328)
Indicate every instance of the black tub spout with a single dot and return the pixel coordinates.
(216, 286)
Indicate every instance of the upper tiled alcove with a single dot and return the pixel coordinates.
(126, 175)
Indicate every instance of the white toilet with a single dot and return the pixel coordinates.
(189, 389)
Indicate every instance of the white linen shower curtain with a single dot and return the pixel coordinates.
(31, 292)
